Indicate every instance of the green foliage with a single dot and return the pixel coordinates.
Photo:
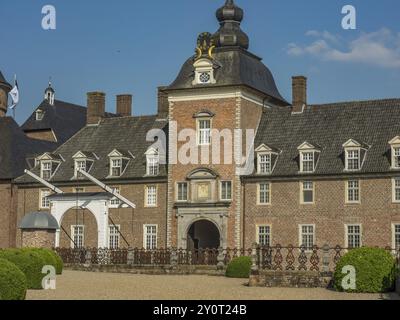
(50, 257)
(29, 262)
(375, 270)
(13, 284)
(239, 268)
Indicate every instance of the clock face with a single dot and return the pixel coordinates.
(205, 77)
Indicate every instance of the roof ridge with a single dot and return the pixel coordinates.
(356, 101)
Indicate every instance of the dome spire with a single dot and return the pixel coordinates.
(49, 94)
(230, 34)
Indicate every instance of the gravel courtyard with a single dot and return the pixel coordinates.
(73, 285)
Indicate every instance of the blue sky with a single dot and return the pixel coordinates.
(129, 46)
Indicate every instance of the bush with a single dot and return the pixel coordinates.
(239, 268)
(375, 270)
(50, 257)
(13, 282)
(29, 262)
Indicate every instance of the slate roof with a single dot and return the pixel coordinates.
(373, 123)
(16, 147)
(237, 67)
(65, 119)
(127, 133)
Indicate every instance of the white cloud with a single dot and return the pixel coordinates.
(380, 48)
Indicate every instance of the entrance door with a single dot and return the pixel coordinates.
(203, 234)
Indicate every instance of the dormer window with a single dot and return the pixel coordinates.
(39, 115)
(395, 151)
(46, 170)
(355, 154)
(80, 165)
(309, 156)
(266, 159)
(116, 167)
(153, 162)
(204, 72)
(83, 162)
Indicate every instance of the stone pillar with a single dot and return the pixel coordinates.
(221, 259)
(325, 258)
(255, 259)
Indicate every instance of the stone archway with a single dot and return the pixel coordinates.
(203, 234)
(79, 217)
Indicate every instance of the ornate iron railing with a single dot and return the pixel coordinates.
(277, 258)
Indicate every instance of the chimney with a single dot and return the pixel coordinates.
(96, 107)
(163, 104)
(124, 105)
(299, 96)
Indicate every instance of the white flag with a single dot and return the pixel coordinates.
(14, 93)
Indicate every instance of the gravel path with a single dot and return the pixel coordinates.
(73, 285)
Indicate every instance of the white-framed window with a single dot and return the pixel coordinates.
(353, 191)
(396, 157)
(353, 159)
(116, 167)
(78, 236)
(39, 115)
(396, 236)
(226, 190)
(44, 202)
(114, 236)
(264, 235)
(396, 190)
(307, 236)
(153, 165)
(46, 170)
(182, 191)
(81, 165)
(353, 236)
(151, 196)
(150, 236)
(115, 202)
(264, 163)
(307, 162)
(204, 132)
(307, 192)
(264, 193)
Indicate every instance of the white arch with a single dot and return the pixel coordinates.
(99, 208)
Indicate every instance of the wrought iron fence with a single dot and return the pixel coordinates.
(277, 258)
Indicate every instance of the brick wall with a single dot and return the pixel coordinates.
(329, 213)
(38, 239)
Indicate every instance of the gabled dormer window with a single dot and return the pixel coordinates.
(266, 159)
(49, 164)
(83, 161)
(395, 152)
(153, 162)
(309, 156)
(119, 161)
(355, 154)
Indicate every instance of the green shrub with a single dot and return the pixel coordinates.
(13, 282)
(375, 270)
(29, 262)
(50, 257)
(239, 268)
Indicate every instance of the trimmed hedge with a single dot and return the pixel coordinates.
(29, 262)
(375, 270)
(13, 284)
(50, 257)
(239, 268)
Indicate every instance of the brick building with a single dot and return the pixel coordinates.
(243, 165)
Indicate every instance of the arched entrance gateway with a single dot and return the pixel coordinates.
(203, 234)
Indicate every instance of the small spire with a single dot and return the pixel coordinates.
(230, 34)
(49, 93)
